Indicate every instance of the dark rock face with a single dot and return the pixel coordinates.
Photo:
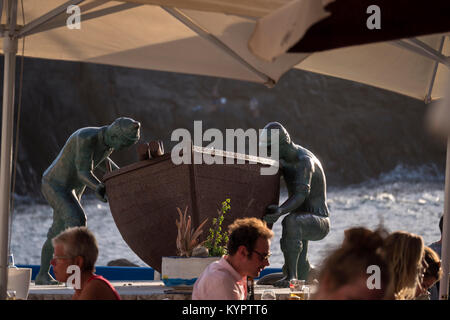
(356, 131)
(121, 263)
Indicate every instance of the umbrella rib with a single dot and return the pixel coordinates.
(431, 50)
(404, 45)
(424, 50)
(86, 16)
(28, 28)
(187, 21)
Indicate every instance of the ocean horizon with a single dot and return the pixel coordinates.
(409, 199)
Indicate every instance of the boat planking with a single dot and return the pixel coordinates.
(143, 197)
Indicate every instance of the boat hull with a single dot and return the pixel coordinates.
(143, 198)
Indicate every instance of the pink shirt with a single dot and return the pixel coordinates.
(219, 281)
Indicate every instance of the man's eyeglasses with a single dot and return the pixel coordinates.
(263, 256)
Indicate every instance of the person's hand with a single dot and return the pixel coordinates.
(273, 212)
(100, 192)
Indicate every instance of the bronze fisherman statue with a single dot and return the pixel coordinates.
(306, 207)
(65, 180)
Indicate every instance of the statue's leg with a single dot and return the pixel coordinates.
(44, 277)
(65, 206)
(291, 246)
(303, 266)
(314, 228)
(50, 194)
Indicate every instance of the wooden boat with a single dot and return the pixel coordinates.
(143, 198)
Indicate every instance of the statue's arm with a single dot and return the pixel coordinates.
(301, 188)
(300, 184)
(84, 163)
(296, 200)
(88, 178)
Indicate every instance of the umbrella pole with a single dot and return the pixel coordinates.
(443, 288)
(10, 51)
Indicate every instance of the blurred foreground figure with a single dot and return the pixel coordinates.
(76, 248)
(358, 270)
(248, 254)
(437, 247)
(306, 207)
(64, 182)
(404, 252)
(432, 274)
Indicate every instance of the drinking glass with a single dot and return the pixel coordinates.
(304, 293)
(296, 285)
(10, 295)
(11, 261)
(268, 295)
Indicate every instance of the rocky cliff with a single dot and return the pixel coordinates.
(356, 131)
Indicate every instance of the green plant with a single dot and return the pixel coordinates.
(187, 238)
(217, 239)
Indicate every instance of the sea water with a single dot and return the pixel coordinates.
(404, 199)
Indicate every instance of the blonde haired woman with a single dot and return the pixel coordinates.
(405, 252)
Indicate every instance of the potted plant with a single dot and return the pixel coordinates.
(194, 256)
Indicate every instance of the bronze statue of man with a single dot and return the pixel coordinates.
(64, 182)
(306, 207)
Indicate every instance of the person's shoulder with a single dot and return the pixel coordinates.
(424, 296)
(436, 247)
(97, 289)
(217, 274)
(216, 285)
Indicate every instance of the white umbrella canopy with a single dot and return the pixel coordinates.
(138, 35)
(388, 65)
(151, 37)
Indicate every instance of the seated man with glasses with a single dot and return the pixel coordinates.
(248, 254)
(75, 254)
